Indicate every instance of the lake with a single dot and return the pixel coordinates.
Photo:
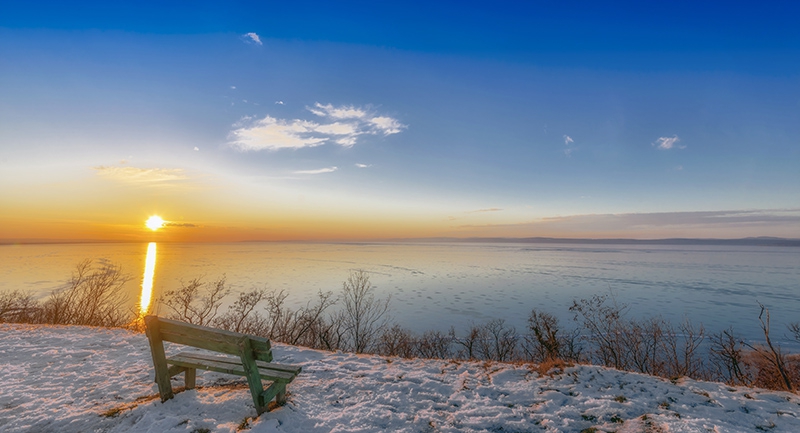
(439, 285)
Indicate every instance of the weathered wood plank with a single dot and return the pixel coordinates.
(159, 357)
(228, 366)
(217, 340)
(190, 378)
(252, 375)
(273, 391)
(288, 368)
(175, 370)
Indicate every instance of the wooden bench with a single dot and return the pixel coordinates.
(254, 359)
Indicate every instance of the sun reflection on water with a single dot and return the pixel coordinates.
(147, 279)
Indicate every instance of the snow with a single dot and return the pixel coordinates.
(81, 379)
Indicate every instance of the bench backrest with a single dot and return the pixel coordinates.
(217, 340)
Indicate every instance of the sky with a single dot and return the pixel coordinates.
(363, 121)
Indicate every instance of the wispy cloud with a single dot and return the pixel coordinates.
(279, 103)
(252, 38)
(568, 142)
(343, 125)
(667, 143)
(172, 224)
(141, 175)
(491, 209)
(363, 165)
(317, 171)
(730, 223)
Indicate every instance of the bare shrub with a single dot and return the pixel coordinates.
(241, 316)
(605, 326)
(196, 302)
(794, 328)
(434, 345)
(397, 341)
(683, 351)
(364, 317)
(545, 340)
(306, 326)
(497, 342)
(469, 343)
(774, 365)
(727, 358)
(94, 296)
(18, 307)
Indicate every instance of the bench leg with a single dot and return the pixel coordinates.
(189, 378)
(280, 398)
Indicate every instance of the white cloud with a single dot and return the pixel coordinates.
(568, 140)
(363, 165)
(272, 134)
(253, 37)
(233, 87)
(666, 143)
(343, 112)
(141, 175)
(317, 171)
(279, 103)
(340, 125)
(196, 149)
(386, 125)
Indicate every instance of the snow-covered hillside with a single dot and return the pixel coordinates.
(79, 379)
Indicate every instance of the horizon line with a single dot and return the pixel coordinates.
(749, 241)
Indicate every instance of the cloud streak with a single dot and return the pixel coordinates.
(317, 171)
(658, 224)
(667, 143)
(343, 125)
(252, 38)
(143, 176)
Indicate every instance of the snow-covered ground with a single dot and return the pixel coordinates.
(80, 379)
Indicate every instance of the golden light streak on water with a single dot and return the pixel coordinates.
(147, 279)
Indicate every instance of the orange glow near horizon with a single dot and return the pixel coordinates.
(147, 279)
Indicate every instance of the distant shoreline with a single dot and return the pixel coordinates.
(749, 241)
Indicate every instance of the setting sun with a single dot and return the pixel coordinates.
(155, 222)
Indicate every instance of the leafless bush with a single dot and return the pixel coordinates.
(397, 341)
(18, 307)
(774, 365)
(469, 343)
(491, 341)
(241, 316)
(605, 326)
(499, 342)
(306, 326)
(364, 317)
(196, 302)
(434, 345)
(683, 351)
(794, 328)
(93, 297)
(727, 358)
(545, 340)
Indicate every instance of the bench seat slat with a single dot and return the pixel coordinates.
(289, 368)
(232, 366)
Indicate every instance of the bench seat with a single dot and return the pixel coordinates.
(267, 370)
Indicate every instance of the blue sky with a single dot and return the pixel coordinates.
(355, 120)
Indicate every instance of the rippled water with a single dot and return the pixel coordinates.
(435, 285)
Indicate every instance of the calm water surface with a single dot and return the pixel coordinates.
(435, 286)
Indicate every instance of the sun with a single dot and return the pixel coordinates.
(155, 222)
